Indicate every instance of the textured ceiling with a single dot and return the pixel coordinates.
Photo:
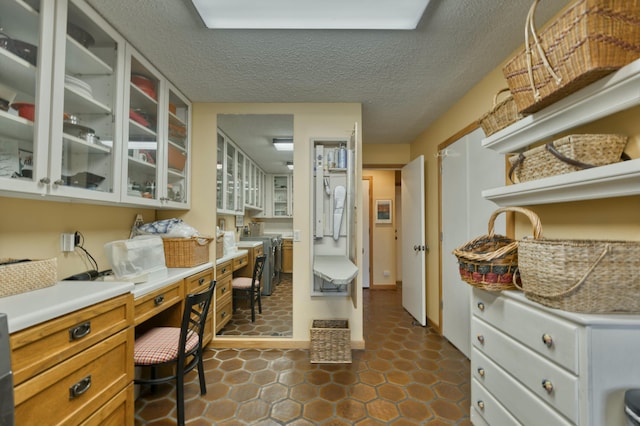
(403, 79)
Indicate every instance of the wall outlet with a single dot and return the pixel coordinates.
(67, 242)
(386, 273)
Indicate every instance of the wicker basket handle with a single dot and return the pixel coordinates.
(552, 149)
(530, 26)
(495, 97)
(607, 250)
(535, 220)
(202, 240)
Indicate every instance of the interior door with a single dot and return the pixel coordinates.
(467, 169)
(414, 286)
(366, 232)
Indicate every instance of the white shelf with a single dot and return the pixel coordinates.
(79, 103)
(613, 180)
(15, 127)
(611, 94)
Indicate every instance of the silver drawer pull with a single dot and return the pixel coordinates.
(480, 338)
(480, 404)
(159, 300)
(79, 331)
(547, 340)
(481, 371)
(481, 306)
(79, 388)
(547, 385)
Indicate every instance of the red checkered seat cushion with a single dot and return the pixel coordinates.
(243, 283)
(160, 345)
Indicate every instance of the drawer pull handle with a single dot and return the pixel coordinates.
(79, 388)
(79, 331)
(223, 314)
(201, 281)
(159, 300)
(481, 306)
(223, 290)
(547, 340)
(481, 338)
(547, 385)
(481, 404)
(481, 371)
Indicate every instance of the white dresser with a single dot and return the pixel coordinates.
(532, 365)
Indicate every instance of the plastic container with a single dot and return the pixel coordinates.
(134, 259)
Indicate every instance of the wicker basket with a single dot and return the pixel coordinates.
(582, 275)
(588, 40)
(501, 114)
(565, 155)
(16, 278)
(186, 252)
(330, 342)
(490, 262)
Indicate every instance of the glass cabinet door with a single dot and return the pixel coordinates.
(142, 139)
(25, 60)
(239, 179)
(177, 149)
(220, 173)
(280, 196)
(230, 156)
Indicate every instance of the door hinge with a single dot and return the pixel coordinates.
(441, 236)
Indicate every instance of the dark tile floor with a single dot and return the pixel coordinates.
(407, 375)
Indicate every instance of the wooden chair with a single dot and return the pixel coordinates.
(249, 288)
(180, 347)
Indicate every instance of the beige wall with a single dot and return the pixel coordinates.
(310, 121)
(383, 256)
(382, 154)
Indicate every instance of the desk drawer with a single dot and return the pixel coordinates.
(258, 251)
(153, 303)
(224, 269)
(486, 410)
(223, 287)
(74, 389)
(199, 282)
(224, 310)
(117, 412)
(240, 262)
(527, 367)
(39, 347)
(551, 337)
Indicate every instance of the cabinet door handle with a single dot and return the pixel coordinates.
(79, 388)
(547, 385)
(201, 281)
(480, 306)
(79, 331)
(223, 290)
(223, 314)
(480, 338)
(481, 371)
(159, 300)
(480, 404)
(547, 340)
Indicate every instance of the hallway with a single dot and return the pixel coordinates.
(408, 375)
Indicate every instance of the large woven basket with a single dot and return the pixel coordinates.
(589, 39)
(501, 115)
(22, 276)
(186, 252)
(565, 155)
(581, 275)
(330, 342)
(490, 262)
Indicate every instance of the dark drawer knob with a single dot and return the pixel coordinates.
(223, 290)
(79, 388)
(480, 338)
(481, 371)
(201, 281)
(159, 300)
(223, 314)
(79, 331)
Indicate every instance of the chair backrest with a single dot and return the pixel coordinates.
(258, 267)
(194, 317)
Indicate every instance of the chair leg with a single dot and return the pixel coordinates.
(259, 302)
(203, 384)
(180, 399)
(253, 309)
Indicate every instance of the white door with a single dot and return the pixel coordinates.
(414, 289)
(366, 229)
(467, 170)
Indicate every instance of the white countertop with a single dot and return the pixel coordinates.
(249, 244)
(232, 255)
(34, 307)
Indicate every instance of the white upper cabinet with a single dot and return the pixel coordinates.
(282, 195)
(95, 136)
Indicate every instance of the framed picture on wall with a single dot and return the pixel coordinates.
(383, 211)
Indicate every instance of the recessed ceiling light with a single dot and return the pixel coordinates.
(306, 14)
(283, 144)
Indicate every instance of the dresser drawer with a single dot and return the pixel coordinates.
(223, 287)
(529, 368)
(37, 348)
(117, 412)
(73, 390)
(258, 251)
(240, 261)
(153, 303)
(551, 337)
(521, 403)
(224, 310)
(224, 269)
(199, 282)
(486, 410)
